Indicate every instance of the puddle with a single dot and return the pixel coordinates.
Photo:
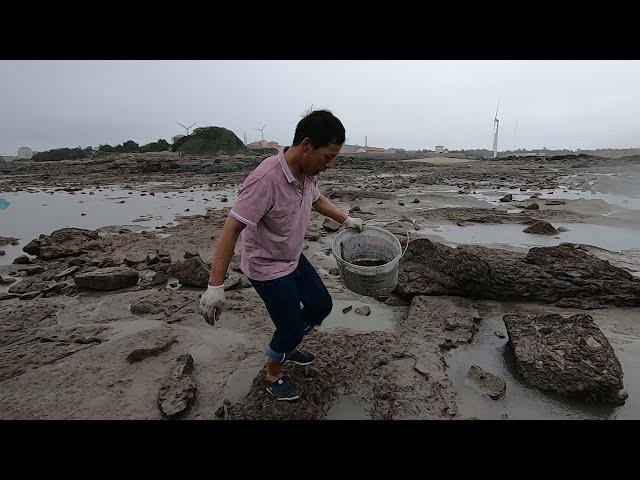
(607, 237)
(348, 408)
(381, 317)
(29, 214)
(521, 402)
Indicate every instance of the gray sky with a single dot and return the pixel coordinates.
(410, 104)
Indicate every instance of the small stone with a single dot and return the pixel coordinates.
(331, 225)
(533, 206)
(334, 271)
(415, 200)
(364, 310)
(347, 309)
(401, 204)
(507, 198)
(541, 228)
(499, 334)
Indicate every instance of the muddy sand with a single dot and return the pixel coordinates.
(142, 351)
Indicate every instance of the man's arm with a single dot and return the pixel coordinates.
(325, 207)
(224, 250)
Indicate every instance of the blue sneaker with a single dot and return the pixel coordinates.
(300, 357)
(282, 390)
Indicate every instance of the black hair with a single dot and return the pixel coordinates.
(321, 127)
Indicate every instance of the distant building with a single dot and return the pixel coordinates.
(440, 149)
(264, 144)
(25, 153)
(369, 149)
(175, 138)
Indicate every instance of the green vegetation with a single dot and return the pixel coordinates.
(57, 154)
(205, 140)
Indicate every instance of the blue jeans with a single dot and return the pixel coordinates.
(282, 297)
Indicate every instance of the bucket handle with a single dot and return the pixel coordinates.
(406, 246)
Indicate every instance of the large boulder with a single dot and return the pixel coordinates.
(110, 278)
(192, 272)
(565, 275)
(566, 355)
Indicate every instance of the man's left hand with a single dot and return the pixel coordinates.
(353, 223)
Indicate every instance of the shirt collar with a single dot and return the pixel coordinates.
(285, 168)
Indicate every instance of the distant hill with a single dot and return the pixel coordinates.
(205, 140)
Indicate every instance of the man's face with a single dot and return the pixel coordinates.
(317, 160)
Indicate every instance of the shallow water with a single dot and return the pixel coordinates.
(30, 214)
(380, 318)
(348, 408)
(608, 237)
(523, 402)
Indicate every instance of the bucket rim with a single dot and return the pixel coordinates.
(363, 268)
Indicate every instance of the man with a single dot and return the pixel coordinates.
(272, 212)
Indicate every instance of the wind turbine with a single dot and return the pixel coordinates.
(496, 124)
(262, 131)
(186, 128)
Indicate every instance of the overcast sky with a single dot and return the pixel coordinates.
(409, 104)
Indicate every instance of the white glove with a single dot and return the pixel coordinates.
(212, 303)
(353, 223)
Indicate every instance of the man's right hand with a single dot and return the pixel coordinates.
(212, 303)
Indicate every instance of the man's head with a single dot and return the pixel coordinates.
(319, 137)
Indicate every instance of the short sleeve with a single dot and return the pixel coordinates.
(315, 191)
(254, 201)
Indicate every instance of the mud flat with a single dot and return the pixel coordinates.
(67, 351)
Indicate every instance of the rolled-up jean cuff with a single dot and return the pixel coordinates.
(276, 356)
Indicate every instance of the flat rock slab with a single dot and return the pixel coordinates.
(178, 392)
(566, 355)
(565, 275)
(110, 278)
(331, 225)
(488, 383)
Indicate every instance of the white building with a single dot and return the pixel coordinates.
(25, 153)
(440, 149)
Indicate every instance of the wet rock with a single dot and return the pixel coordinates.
(401, 204)
(541, 228)
(8, 296)
(66, 272)
(153, 277)
(354, 209)
(152, 259)
(562, 229)
(415, 200)
(134, 261)
(30, 271)
(555, 202)
(110, 278)
(532, 206)
(178, 392)
(364, 310)
(22, 260)
(545, 274)
(490, 384)
(8, 241)
(190, 254)
(140, 354)
(192, 272)
(64, 242)
(2, 253)
(28, 285)
(566, 355)
(507, 198)
(331, 225)
(6, 281)
(347, 309)
(78, 261)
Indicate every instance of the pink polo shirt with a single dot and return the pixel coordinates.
(276, 211)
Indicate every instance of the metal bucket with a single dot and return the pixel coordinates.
(375, 246)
